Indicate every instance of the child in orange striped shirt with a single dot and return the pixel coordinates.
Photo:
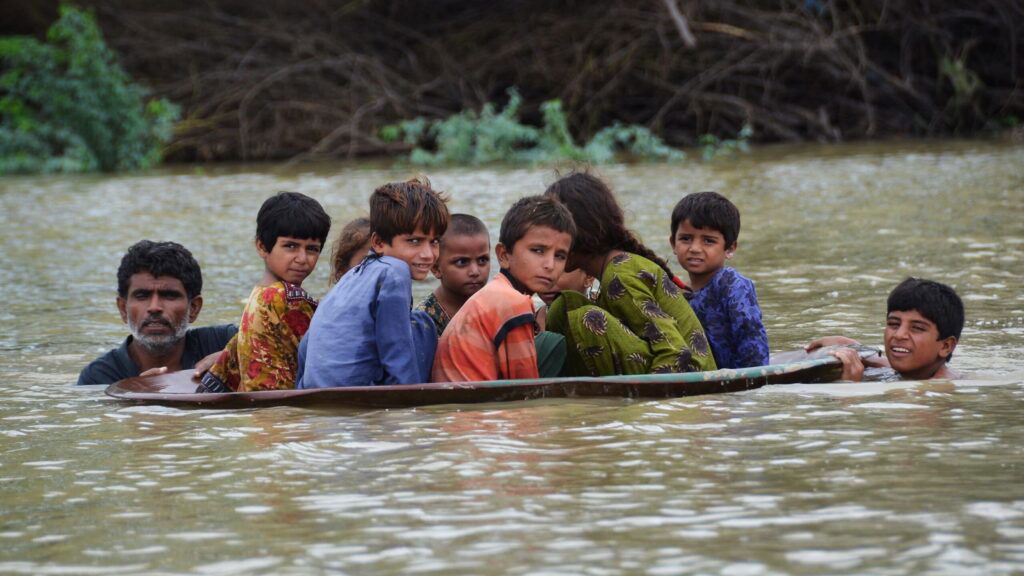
(492, 336)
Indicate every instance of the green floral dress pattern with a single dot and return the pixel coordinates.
(640, 324)
(433, 308)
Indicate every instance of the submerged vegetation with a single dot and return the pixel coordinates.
(66, 105)
(491, 136)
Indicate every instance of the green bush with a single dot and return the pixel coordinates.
(67, 106)
(471, 138)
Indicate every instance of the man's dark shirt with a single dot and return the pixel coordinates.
(118, 365)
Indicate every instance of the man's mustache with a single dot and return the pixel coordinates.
(155, 320)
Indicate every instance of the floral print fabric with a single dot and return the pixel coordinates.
(263, 355)
(641, 323)
(433, 308)
(728, 310)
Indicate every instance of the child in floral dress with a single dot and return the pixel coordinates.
(291, 229)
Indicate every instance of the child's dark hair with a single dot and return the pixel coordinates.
(291, 214)
(707, 210)
(160, 259)
(403, 207)
(534, 211)
(353, 236)
(933, 300)
(595, 210)
(465, 225)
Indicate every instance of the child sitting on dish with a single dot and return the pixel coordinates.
(492, 336)
(705, 228)
(463, 267)
(641, 322)
(350, 248)
(365, 331)
(922, 328)
(577, 281)
(291, 229)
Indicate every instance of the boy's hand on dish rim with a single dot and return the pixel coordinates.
(853, 367)
(154, 371)
(830, 341)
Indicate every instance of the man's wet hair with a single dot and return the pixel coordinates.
(403, 207)
(293, 215)
(708, 210)
(534, 211)
(465, 225)
(933, 300)
(160, 259)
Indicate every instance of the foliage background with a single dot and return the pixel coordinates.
(312, 78)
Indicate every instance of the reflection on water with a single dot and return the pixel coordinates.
(893, 477)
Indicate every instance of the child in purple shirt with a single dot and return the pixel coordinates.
(705, 227)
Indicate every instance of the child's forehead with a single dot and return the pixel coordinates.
(544, 233)
(911, 315)
(283, 238)
(420, 231)
(687, 225)
(465, 241)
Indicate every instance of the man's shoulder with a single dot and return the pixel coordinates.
(108, 368)
(210, 339)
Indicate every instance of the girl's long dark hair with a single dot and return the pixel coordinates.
(600, 224)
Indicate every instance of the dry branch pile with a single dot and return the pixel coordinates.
(309, 78)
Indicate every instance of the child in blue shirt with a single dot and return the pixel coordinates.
(365, 332)
(705, 227)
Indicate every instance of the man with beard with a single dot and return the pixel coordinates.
(159, 293)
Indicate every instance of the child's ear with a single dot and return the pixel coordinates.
(731, 250)
(502, 254)
(946, 347)
(376, 242)
(261, 249)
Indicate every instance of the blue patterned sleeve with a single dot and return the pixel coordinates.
(749, 338)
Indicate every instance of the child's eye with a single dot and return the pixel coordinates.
(683, 238)
(313, 249)
(461, 262)
(414, 241)
(483, 260)
(435, 242)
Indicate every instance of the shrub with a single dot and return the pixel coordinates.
(66, 105)
(489, 136)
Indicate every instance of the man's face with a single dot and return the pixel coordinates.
(157, 310)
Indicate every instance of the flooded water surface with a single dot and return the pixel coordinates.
(880, 478)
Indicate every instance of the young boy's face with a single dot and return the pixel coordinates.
(700, 251)
(418, 250)
(291, 259)
(912, 344)
(464, 264)
(538, 258)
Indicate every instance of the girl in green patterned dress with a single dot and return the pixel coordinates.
(641, 322)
